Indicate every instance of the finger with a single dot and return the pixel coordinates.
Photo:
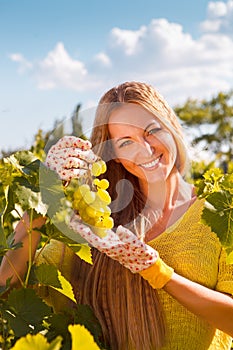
(75, 163)
(56, 154)
(69, 174)
(73, 141)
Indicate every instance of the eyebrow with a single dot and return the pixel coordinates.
(128, 137)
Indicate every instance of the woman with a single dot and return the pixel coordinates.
(179, 294)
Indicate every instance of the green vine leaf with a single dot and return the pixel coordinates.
(85, 316)
(219, 216)
(25, 312)
(45, 274)
(217, 189)
(51, 190)
(27, 197)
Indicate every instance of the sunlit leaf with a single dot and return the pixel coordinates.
(85, 253)
(219, 216)
(66, 287)
(82, 338)
(28, 198)
(51, 190)
(37, 342)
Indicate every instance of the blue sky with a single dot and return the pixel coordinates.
(55, 54)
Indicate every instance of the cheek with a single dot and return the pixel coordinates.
(131, 167)
(168, 142)
(128, 154)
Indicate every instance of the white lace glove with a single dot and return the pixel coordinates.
(70, 157)
(129, 251)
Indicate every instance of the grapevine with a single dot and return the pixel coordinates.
(217, 189)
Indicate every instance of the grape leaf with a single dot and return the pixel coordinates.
(27, 198)
(82, 338)
(227, 183)
(57, 324)
(46, 274)
(219, 216)
(85, 316)
(51, 190)
(66, 287)
(21, 159)
(37, 342)
(25, 311)
(85, 253)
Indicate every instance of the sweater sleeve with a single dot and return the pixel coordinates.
(225, 275)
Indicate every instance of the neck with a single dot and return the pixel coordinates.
(168, 193)
(169, 199)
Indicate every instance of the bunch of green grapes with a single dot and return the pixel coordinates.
(91, 201)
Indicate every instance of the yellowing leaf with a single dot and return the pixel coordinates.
(82, 338)
(37, 342)
(85, 253)
(66, 289)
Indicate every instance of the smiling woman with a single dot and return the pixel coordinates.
(159, 279)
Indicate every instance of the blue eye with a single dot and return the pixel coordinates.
(153, 131)
(125, 143)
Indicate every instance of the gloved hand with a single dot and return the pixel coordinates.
(129, 251)
(70, 157)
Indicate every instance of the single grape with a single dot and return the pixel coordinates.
(91, 212)
(104, 184)
(103, 166)
(96, 169)
(104, 196)
(89, 197)
(108, 222)
(83, 189)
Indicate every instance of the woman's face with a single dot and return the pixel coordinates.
(142, 145)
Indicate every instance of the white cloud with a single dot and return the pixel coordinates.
(102, 59)
(219, 17)
(58, 69)
(24, 65)
(160, 53)
(128, 40)
(216, 9)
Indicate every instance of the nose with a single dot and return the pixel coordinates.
(147, 148)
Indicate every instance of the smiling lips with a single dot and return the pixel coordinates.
(151, 164)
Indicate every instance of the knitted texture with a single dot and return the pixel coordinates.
(196, 253)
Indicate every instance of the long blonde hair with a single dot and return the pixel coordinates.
(127, 307)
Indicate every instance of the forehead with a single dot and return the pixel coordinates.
(130, 116)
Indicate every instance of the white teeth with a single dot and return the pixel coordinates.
(150, 164)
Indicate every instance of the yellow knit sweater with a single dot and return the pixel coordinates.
(196, 253)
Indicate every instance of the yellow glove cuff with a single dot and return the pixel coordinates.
(158, 274)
